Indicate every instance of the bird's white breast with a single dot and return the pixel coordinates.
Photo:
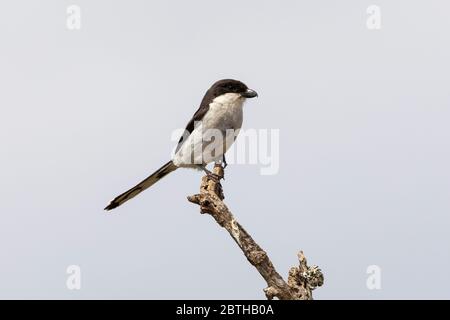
(225, 113)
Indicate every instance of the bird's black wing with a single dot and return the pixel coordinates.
(198, 116)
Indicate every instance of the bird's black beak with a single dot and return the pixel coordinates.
(249, 94)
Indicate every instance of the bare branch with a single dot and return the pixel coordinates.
(301, 280)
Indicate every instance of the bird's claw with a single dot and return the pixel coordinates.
(217, 185)
(214, 177)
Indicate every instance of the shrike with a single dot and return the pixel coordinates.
(207, 137)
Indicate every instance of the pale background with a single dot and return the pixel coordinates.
(364, 156)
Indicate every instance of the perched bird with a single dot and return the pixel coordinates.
(208, 135)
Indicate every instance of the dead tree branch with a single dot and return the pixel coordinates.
(301, 280)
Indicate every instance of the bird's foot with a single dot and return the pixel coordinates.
(215, 177)
(219, 170)
(224, 161)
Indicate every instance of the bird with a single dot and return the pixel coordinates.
(208, 135)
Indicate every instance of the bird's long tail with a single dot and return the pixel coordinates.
(144, 184)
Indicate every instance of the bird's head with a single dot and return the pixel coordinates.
(231, 86)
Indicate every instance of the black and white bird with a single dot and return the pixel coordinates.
(208, 135)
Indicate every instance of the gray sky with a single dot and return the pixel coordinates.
(364, 146)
